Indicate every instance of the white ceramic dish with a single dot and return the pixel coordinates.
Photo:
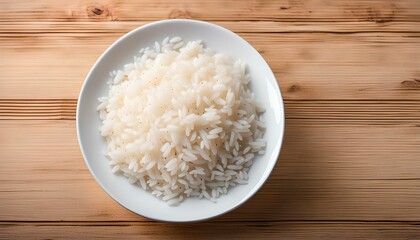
(132, 197)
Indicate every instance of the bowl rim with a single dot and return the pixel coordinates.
(268, 169)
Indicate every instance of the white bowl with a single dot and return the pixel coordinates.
(132, 197)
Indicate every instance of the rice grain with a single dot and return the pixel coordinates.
(180, 121)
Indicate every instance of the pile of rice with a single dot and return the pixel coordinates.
(181, 121)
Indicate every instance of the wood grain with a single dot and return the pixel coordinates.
(307, 66)
(378, 11)
(231, 230)
(339, 111)
(322, 174)
(38, 109)
(41, 28)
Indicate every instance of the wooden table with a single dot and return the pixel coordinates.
(350, 76)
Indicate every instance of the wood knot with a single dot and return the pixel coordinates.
(176, 13)
(377, 16)
(411, 84)
(294, 88)
(378, 13)
(98, 11)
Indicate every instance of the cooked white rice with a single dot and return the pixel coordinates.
(180, 121)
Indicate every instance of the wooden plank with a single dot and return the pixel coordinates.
(345, 112)
(378, 11)
(308, 66)
(231, 230)
(38, 28)
(315, 200)
(38, 109)
(325, 172)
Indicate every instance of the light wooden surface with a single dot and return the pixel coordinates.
(350, 75)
